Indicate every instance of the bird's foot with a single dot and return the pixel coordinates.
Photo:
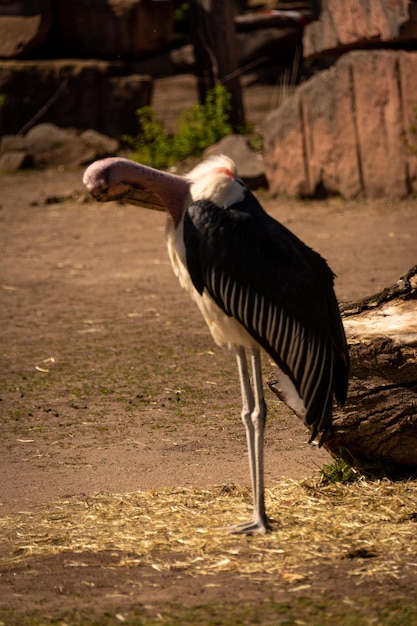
(252, 527)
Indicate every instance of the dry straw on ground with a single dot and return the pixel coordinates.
(184, 529)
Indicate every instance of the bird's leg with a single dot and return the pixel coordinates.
(258, 419)
(253, 417)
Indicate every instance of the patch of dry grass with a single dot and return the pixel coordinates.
(184, 529)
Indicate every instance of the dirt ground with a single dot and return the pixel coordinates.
(111, 382)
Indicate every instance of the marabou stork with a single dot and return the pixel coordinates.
(257, 286)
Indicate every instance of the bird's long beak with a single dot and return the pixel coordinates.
(121, 179)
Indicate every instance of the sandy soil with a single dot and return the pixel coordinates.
(89, 303)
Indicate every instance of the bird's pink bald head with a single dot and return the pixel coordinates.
(116, 178)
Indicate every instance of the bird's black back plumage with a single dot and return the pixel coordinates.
(280, 290)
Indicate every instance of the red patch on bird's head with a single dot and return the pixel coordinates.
(225, 170)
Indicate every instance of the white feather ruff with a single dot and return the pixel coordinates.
(209, 181)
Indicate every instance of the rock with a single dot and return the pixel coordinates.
(46, 145)
(271, 44)
(183, 59)
(50, 146)
(347, 24)
(104, 146)
(249, 162)
(81, 94)
(14, 160)
(269, 35)
(12, 143)
(342, 133)
(264, 19)
(277, 46)
(67, 155)
(44, 137)
(122, 28)
(24, 24)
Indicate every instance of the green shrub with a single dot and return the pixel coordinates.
(154, 144)
(199, 127)
(339, 471)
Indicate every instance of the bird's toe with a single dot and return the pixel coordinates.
(252, 527)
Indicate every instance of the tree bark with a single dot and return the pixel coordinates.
(212, 24)
(377, 428)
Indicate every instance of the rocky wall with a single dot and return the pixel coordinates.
(347, 130)
(83, 94)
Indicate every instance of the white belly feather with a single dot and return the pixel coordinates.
(226, 330)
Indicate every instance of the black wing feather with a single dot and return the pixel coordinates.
(280, 290)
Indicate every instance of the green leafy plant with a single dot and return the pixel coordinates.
(198, 128)
(339, 471)
(154, 145)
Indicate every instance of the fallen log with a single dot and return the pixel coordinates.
(377, 429)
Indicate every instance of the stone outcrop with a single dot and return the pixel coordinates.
(112, 28)
(24, 25)
(82, 94)
(347, 130)
(348, 24)
(103, 29)
(46, 145)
